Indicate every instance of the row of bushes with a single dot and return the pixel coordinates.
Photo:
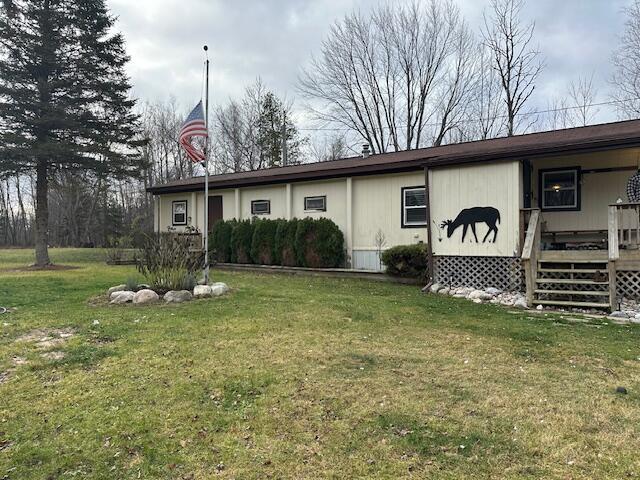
(308, 242)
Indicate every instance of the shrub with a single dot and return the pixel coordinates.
(409, 261)
(241, 238)
(165, 260)
(132, 284)
(263, 242)
(319, 243)
(189, 282)
(220, 240)
(285, 243)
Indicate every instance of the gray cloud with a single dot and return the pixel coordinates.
(273, 39)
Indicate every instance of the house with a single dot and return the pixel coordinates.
(545, 210)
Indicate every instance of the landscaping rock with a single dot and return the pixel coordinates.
(493, 291)
(219, 288)
(177, 296)
(540, 307)
(122, 297)
(436, 287)
(145, 296)
(618, 314)
(444, 291)
(201, 291)
(117, 288)
(520, 303)
(480, 295)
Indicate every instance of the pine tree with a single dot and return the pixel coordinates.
(270, 132)
(64, 97)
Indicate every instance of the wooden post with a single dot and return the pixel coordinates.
(614, 249)
(530, 254)
(427, 202)
(613, 301)
(614, 254)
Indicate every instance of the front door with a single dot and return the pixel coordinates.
(215, 210)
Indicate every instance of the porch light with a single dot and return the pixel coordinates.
(556, 187)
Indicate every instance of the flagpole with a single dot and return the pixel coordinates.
(206, 174)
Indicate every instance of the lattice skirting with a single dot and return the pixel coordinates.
(628, 284)
(479, 272)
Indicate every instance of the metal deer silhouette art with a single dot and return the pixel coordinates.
(469, 217)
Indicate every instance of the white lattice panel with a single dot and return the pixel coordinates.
(479, 272)
(628, 284)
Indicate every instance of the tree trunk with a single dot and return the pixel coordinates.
(42, 215)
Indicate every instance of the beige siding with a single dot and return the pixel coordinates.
(598, 190)
(334, 190)
(377, 205)
(165, 206)
(489, 185)
(276, 195)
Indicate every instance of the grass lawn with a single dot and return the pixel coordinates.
(294, 377)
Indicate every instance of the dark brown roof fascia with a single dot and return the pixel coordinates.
(530, 153)
(398, 166)
(355, 170)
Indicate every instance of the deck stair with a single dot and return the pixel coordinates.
(573, 283)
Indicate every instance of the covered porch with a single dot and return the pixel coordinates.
(580, 236)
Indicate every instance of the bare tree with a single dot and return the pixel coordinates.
(161, 122)
(487, 106)
(248, 133)
(582, 96)
(327, 148)
(517, 63)
(398, 78)
(557, 116)
(626, 61)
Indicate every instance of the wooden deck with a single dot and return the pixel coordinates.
(628, 260)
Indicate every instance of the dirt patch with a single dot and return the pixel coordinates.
(98, 301)
(17, 361)
(55, 355)
(47, 338)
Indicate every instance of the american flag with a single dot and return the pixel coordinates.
(194, 126)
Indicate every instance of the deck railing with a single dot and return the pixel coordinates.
(624, 227)
(530, 252)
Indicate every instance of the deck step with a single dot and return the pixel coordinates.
(573, 270)
(604, 262)
(573, 292)
(571, 304)
(570, 281)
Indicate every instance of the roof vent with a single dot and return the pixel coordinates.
(365, 150)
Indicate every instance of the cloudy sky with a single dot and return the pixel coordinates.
(273, 39)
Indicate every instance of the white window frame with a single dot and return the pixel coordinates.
(316, 197)
(576, 189)
(257, 202)
(405, 207)
(174, 213)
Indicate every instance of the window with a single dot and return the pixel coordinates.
(179, 212)
(560, 189)
(260, 207)
(414, 207)
(316, 203)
